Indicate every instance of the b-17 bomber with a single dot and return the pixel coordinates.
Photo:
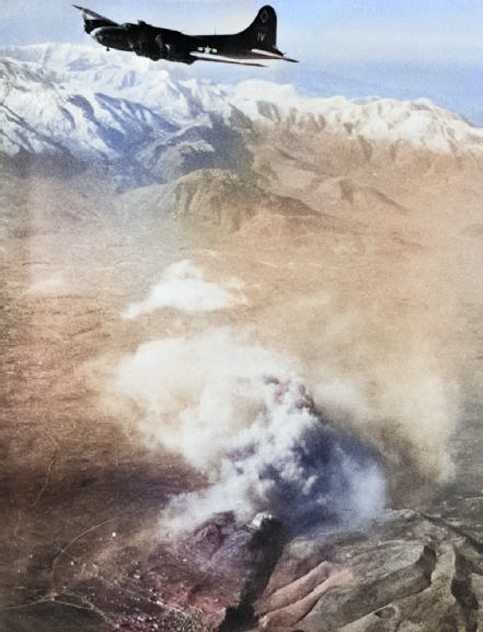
(254, 44)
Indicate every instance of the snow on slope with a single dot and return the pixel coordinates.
(80, 99)
(69, 103)
(40, 113)
(420, 122)
(129, 77)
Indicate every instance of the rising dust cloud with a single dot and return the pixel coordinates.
(237, 415)
(184, 288)
(240, 411)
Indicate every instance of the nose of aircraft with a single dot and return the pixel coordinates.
(95, 34)
(112, 37)
(100, 35)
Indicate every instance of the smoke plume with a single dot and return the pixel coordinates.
(239, 415)
(184, 288)
(300, 396)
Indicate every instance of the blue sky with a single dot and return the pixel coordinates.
(404, 49)
(434, 30)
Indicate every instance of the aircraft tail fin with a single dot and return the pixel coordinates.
(262, 32)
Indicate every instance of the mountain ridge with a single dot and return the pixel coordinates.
(70, 110)
(99, 110)
(345, 241)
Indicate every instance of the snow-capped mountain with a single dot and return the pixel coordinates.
(61, 99)
(44, 114)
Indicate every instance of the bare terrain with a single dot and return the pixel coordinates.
(354, 265)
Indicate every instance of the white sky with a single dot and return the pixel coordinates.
(431, 30)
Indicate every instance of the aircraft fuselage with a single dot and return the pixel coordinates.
(258, 41)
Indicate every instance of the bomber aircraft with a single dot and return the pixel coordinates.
(257, 42)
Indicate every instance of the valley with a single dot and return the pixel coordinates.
(179, 278)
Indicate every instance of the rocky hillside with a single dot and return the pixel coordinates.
(64, 100)
(243, 357)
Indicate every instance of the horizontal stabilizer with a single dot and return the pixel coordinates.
(270, 55)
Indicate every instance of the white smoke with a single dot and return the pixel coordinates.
(238, 414)
(192, 394)
(382, 373)
(292, 465)
(183, 287)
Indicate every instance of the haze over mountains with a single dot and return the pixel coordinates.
(242, 305)
(58, 72)
(65, 102)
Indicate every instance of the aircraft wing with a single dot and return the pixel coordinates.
(261, 54)
(87, 14)
(222, 60)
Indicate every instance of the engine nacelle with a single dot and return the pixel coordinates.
(166, 51)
